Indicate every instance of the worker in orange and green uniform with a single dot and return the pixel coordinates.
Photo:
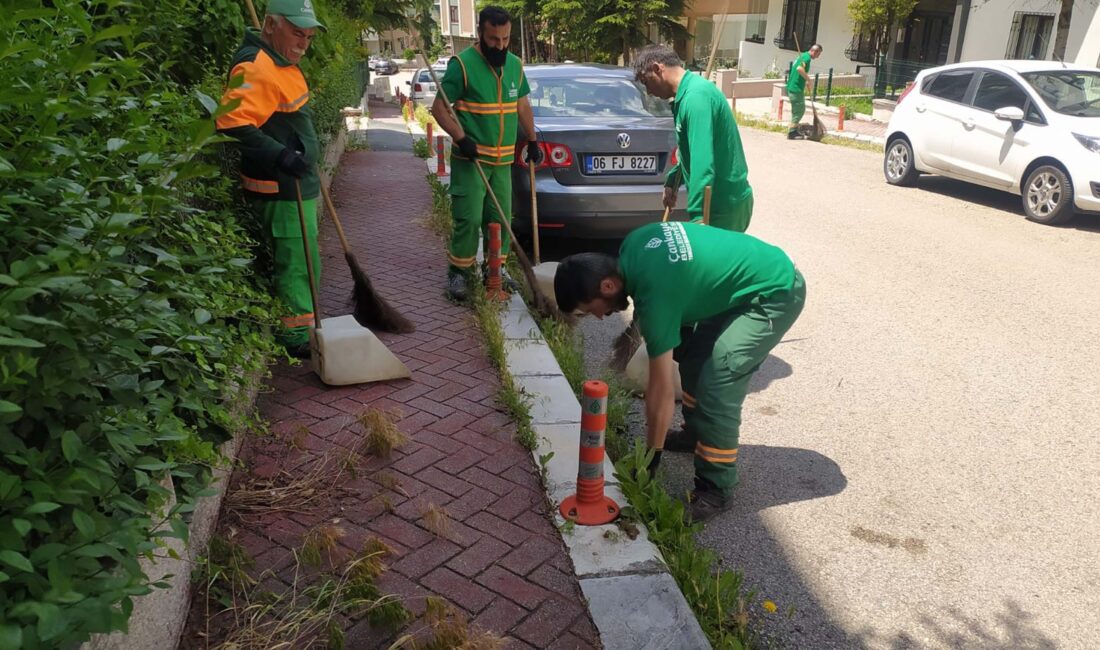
(716, 301)
(273, 127)
(707, 140)
(489, 91)
(796, 89)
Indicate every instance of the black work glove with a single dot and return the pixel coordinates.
(292, 162)
(532, 154)
(468, 147)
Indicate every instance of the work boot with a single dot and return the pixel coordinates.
(706, 501)
(457, 287)
(679, 440)
(795, 134)
(298, 350)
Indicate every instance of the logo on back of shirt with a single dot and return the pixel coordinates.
(679, 248)
(654, 243)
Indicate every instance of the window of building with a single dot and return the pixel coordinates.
(864, 45)
(799, 17)
(950, 85)
(1030, 36)
(454, 14)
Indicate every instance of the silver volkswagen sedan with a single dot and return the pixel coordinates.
(607, 146)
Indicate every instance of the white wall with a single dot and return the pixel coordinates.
(990, 26)
(834, 33)
(1083, 47)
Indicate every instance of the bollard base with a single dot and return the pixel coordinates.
(496, 295)
(603, 511)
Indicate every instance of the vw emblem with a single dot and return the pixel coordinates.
(624, 140)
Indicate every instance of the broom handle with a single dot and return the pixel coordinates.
(667, 210)
(335, 219)
(534, 211)
(706, 205)
(309, 256)
(252, 12)
(477, 163)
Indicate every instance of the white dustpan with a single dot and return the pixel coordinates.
(544, 275)
(344, 352)
(637, 373)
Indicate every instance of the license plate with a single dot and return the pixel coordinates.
(620, 164)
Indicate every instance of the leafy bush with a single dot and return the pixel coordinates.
(421, 148)
(129, 310)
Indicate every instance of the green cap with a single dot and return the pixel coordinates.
(298, 12)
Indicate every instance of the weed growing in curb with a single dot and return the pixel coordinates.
(439, 219)
(449, 630)
(714, 594)
(437, 521)
(421, 148)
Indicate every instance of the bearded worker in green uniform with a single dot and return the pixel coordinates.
(489, 91)
(273, 127)
(796, 89)
(708, 143)
(714, 300)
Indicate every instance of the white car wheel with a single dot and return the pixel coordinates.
(1048, 196)
(898, 164)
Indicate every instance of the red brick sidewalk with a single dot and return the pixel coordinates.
(503, 562)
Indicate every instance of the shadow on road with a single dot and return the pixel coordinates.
(996, 200)
(1008, 630)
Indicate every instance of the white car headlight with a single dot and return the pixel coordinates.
(1089, 142)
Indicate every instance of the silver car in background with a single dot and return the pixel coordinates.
(607, 146)
(422, 88)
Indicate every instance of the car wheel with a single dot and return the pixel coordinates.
(898, 164)
(1048, 196)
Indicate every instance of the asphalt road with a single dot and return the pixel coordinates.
(920, 457)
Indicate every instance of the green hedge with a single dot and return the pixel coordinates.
(130, 309)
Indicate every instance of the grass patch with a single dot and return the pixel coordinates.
(303, 616)
(725, 610)
(439, 219)
(421, 148)
(424, 117)
(765, 125)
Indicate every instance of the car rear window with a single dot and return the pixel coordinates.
(950, 85)
(593, 96)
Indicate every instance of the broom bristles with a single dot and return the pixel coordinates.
(370, 309)
(624, 347)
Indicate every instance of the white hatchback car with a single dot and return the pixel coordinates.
(1027, 127)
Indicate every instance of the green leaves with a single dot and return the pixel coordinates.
(16, 560)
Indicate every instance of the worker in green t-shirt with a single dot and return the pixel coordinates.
(714, 300)
(796, 88)
(708, 145)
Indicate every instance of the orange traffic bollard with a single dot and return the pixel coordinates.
(494, 285)
(441, 163)
(589, 506)
(780, 116)
(840, 118)
(428, 127)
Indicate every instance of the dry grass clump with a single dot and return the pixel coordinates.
(285, 492)
(320, 543)
(382, 435)
(437, 521)
(445, 628)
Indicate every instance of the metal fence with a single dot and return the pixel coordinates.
(891, 78)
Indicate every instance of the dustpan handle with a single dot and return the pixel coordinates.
(309, 256)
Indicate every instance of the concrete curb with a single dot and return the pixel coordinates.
(632, 598)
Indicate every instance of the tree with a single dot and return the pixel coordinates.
(880, 18)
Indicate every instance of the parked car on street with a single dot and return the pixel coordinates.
(607, 147)
(1027, 127)
(421, 86)
(385, 66)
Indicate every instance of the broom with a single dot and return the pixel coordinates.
(545, 307)
(817, 132)
(369, 308)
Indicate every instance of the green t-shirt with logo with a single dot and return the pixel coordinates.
(680, 273)
(795, 82)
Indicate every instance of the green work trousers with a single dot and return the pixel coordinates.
(798, 106)
(738, 220)
(283, 231)
(472, 211)
(718, 357)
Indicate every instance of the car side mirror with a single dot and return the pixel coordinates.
(1009, 114)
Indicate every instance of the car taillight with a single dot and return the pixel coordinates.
(553, 155)
(908, 89)
(672, 159)
(418, 88)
